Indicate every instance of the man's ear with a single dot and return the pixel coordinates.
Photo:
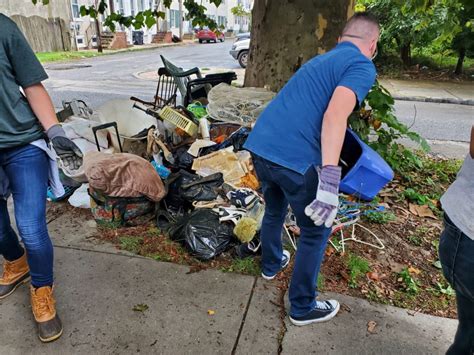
(472, 143)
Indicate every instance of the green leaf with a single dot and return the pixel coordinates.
(150, 21)
(102, 6)
(84, 11)
(167, 3)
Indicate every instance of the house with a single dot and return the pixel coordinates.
(46, 27)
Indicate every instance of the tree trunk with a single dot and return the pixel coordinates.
(180, 18)
(287, 33)
(99, 35)
(405, 54)
(462, 54)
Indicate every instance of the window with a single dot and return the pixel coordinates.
(174, 18)
(120, 7)
(221, 21)
(75, 9)
(141, 5)
(132, 7)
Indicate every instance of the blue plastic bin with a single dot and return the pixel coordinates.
(364, 172)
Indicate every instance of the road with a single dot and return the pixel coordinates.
(97, 80)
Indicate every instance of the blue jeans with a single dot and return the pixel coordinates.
(456, 253)
(282, 186)
(27, 170)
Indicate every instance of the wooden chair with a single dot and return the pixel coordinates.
(166, 92)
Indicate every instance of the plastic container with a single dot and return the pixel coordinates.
(364, 172)
(163, 171)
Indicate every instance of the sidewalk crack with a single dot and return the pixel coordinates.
(234, 349)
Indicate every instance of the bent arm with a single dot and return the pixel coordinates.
(41, 104)
(334, 125)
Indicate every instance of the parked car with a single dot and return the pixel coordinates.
(240, 51)
(242, 36)
(209, 35)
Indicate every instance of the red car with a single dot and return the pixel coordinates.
(209, 35)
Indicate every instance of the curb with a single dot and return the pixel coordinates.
(438, 100)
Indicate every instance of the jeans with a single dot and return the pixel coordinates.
(282, 186)
(456, 253)
(27, 170)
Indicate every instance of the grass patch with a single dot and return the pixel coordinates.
(357, 267)
(247, 266)
(321, 281)
(45, 57)
(380, 217)
(131, 244)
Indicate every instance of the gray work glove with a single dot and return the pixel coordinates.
(68, 152)
(323, 209)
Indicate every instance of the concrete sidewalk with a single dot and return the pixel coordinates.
(461, 93)
(98, 288)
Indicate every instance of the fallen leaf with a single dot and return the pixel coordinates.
(371, 327)
(140, 307)
(414, 270)
(437, 264)
(373, 276)
(344, 275)
(421, 211)
(211, 312)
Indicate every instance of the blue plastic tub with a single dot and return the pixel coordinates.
(364, 172)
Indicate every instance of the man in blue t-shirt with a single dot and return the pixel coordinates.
(296, 144)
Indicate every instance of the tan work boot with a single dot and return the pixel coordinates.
(15, 273)
(44, 310)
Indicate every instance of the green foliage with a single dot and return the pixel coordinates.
(131, 244)
(147, 18)
(247, 266)
(357, 267)
(445, 24)
(410, 284)
(239, 11)
(380, 217)
(320, 285)
(376, 124)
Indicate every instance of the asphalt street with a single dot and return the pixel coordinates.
(97, 80)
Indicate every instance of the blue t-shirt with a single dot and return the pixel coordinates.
(288, 132)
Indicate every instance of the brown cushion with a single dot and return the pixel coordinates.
(123, 175)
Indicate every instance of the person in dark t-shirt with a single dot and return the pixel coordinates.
(27, 118)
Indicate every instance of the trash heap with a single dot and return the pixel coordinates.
(183, 166)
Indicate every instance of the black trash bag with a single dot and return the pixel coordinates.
(182, 160)
(185, 188)
(202, 234)
(236, 140)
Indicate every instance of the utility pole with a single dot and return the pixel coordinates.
(180, 19)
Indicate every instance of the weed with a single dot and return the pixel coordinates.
(131, 244)
(321, 280)
(415, 240)
(410, 284)
(414, 196)
(445, 289)
(380, 217)
(357, 267)
(247, 266)
(417, 237)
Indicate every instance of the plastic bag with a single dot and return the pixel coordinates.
(80, 198)
(185, 188)
(202, 234)
(237, 105)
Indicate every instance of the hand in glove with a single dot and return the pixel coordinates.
(68, 152)
(323, 209)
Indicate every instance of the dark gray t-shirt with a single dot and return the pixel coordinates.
(18, 67)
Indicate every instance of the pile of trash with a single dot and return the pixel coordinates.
(183, 167)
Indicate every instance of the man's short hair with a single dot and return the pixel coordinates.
(362, 24)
